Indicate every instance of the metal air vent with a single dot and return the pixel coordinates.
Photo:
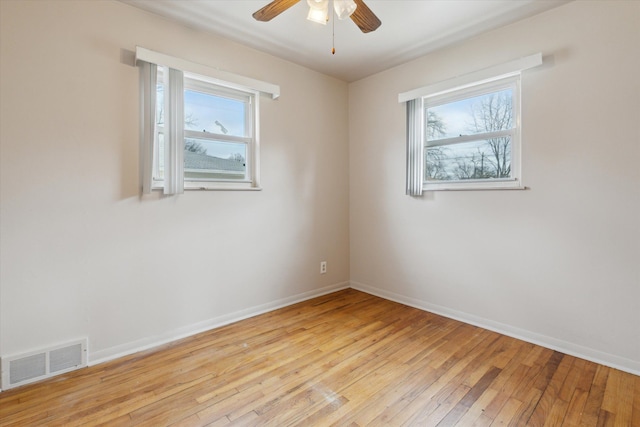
(38, 365)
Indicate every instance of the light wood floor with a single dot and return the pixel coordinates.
(345, 359)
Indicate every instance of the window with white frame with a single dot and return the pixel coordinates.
(219, 139)
(464, 133)
(472, 138)
(199, 126)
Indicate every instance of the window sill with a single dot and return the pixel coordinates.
(217, 186)
(474, 185)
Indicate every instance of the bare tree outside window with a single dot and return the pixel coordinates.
(435, 157)
(451, 151)
(494, 113)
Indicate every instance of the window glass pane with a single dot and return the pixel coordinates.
(158, 150)
(205, 112)
(479, 114)
(158, 158)
(207, 159)
(160, 104)
(482, 159)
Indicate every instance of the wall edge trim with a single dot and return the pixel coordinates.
(569, 348)
(143, 344)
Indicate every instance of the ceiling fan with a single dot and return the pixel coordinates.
(359, 13)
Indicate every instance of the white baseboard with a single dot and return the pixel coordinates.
(597, 356)
(176, 334)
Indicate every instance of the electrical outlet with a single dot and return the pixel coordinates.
(323, 267)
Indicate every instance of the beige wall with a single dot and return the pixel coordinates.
(558, 263)
(83, 255)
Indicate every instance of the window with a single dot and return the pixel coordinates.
(471, 137)
(464, 133)
(219, 139)
(199, 125)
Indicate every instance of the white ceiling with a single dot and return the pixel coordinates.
(409, 29)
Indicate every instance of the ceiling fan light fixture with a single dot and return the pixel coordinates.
(318, 11)
(357, 10)
(344, 8)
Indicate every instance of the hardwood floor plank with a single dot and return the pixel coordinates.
(218, 411)
(471, 397)
(343, 359)
(219, 423)
(549, 396)
(538, 356)
(404, 378)
(320, 416)
(434, 418)
(448, 370)
(556, 414)
(635, 417)
(420, 380)
(576, 405)
(391, 403)
(624, 393)
(587, 376)
(478, 408)
(482, 421)
(591, 410)
(190, 421)
(508, 412)
(606, 419)
(529, 403)
(570, 383)
(495, 405)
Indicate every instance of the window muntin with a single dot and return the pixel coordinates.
(471, 137)
(220, 147)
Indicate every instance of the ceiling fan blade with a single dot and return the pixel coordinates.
(273, 9)
(364, 18)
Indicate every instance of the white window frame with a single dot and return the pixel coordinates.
(470, 91)
(148, 61)
(251, 180)
(415, 100)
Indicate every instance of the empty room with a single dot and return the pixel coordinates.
(322, 212)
